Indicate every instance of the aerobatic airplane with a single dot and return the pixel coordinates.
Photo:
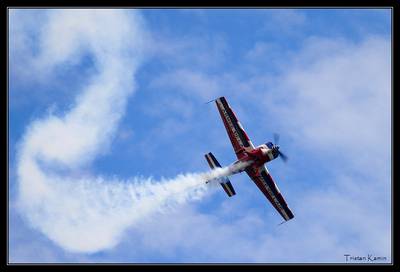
(252, 158)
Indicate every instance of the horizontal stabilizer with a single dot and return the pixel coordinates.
(224, 181)
(212, 161)
(228, 188)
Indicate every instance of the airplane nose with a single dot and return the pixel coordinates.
(275, 151)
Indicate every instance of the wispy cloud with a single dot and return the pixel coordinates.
(334, 103)
(341, 98)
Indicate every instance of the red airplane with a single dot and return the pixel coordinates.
(252, 158)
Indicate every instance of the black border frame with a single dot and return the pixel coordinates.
(352, 4)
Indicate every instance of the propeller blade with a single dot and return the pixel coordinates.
(276, 138)
(283, 156)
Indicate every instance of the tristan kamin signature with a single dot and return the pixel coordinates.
(367, 258)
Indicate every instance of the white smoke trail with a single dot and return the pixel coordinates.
(87, 213)
(90, 214)
(226, 171)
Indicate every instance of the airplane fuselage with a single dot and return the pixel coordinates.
(257, 157)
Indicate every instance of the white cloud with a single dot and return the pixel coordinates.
(334, 99)
(339, 104)
(342, 99)
(335, 103)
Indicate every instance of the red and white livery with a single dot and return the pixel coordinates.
(256, 157)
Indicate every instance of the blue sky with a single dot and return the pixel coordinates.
(101, 100)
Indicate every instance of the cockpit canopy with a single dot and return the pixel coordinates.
(269, 145)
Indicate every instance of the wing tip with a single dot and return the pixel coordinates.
(289, 214)
(221, 99)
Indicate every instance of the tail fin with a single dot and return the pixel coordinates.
(224, 181)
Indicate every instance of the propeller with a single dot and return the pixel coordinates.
(283, 156)
(280, 154)
(276, 138)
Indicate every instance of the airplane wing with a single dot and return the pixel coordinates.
(239, 139)
(266, 184)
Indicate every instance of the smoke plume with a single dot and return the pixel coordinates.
(84, 212)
